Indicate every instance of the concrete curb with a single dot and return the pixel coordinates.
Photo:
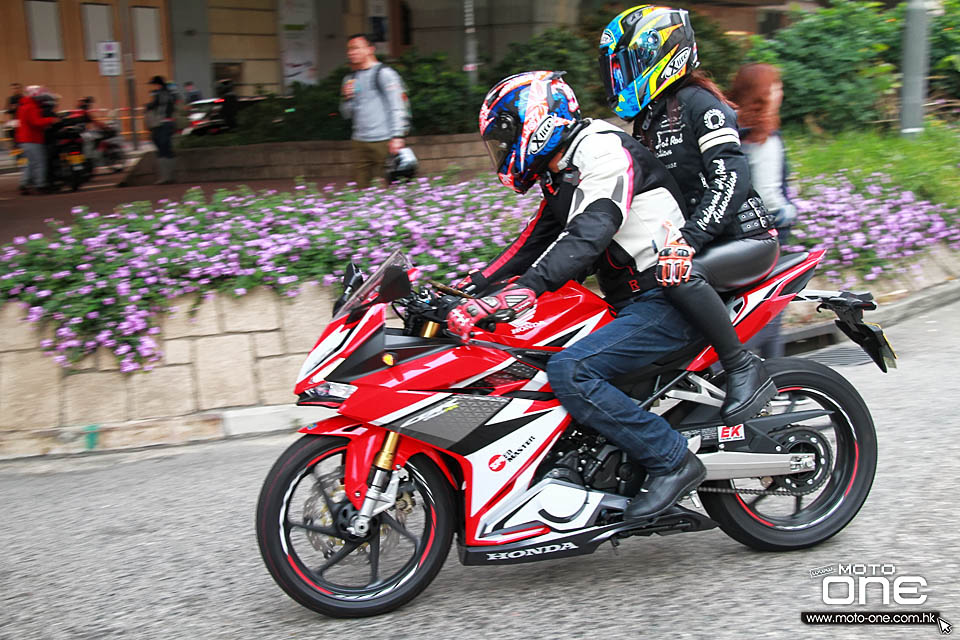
(885, 315)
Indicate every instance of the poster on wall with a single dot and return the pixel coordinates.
(298, 41)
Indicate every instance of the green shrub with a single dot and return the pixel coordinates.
(834, 63)
(557, 49)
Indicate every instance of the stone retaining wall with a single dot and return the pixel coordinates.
(227, 370)
(320, 160)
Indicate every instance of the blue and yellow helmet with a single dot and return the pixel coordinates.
(643, 51)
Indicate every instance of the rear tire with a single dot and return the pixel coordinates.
(290, 549)
(853, 464)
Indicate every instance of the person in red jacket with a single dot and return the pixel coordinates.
(32, 124)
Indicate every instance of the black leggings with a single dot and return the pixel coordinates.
(722, 266)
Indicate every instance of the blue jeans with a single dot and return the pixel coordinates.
(642, 332)
(36, 169)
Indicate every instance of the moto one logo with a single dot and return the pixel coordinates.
(535, 551)
(852, 585)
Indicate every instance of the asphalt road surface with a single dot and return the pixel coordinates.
(160, 544)
(22, 215)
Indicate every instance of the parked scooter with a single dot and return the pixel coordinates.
(67, 163)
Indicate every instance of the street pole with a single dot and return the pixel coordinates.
(470, 52)
(126, 45)
(915, 54)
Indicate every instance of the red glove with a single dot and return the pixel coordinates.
(502, 306)
(674, 263)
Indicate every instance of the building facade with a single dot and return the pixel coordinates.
(265, 46)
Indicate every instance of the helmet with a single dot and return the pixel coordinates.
(525, 120)
(402, 165)
(643, 51)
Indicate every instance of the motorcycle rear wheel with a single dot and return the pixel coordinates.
(783, 523)
(311, 557)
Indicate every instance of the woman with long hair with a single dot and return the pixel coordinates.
(648, 60)
(758, 92)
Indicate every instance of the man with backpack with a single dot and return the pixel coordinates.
(375, 99)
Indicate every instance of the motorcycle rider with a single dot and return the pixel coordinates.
(605, 198)
(648, 57)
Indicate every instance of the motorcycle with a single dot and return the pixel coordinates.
(104, 147)
(437, 438)
(67, 163)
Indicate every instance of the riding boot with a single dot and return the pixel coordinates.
(661, 491)
(749, 387)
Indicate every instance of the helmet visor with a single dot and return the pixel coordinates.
(621, 68)
(500, 137)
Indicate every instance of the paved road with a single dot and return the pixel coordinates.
(21, 215)
(160, 544)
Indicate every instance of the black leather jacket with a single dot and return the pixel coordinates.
(602, 213)
(695, 135)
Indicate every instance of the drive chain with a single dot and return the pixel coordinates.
(760, 492)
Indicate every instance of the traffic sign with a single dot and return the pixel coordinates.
(108, 54)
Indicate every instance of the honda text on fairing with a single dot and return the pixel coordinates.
(437, 438)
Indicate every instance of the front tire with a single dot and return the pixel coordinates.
(782, 523)
(300, 518)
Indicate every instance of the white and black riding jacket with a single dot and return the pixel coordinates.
(695, 136)
(603, 213)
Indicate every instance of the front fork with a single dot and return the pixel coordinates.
(382, 493)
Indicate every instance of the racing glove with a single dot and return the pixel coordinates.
(503, 306)
(675, 260)
(474, 283)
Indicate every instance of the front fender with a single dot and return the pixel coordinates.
(365, 442)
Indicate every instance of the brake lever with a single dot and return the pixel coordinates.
(439, 286)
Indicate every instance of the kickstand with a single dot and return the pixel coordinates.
(615, 543)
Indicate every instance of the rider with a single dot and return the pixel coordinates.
(647, 59)
(605, 199)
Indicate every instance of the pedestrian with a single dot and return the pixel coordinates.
(158, 117)
(649, 71)
(373, 97)
(758, 92)
(30, 136)
(193, 93)
(16, 93)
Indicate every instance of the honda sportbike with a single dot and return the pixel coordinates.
(437, 438)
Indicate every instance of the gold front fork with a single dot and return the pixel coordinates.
(429, 329)
(384, 459)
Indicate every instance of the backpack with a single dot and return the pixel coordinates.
(407, 113)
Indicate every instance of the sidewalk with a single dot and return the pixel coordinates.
(8, 164)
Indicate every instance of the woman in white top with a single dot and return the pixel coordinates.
(758, 91)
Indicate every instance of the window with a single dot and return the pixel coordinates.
(146, 33)
(43, 24)
(97, 27)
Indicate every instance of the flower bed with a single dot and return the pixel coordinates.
(106, 280)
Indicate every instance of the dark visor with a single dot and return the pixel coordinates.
(500, 139)
(620, 69)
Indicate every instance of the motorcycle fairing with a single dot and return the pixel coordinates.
(338, 338)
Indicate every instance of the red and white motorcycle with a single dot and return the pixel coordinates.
(437, 437)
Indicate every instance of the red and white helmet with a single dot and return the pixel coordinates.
(524, 121)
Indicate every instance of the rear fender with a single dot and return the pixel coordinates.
(365, 442)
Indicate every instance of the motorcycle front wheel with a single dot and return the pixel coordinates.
(826, 498)
(301, 523)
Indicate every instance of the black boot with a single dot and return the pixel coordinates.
(661, 491)
(749, 387)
